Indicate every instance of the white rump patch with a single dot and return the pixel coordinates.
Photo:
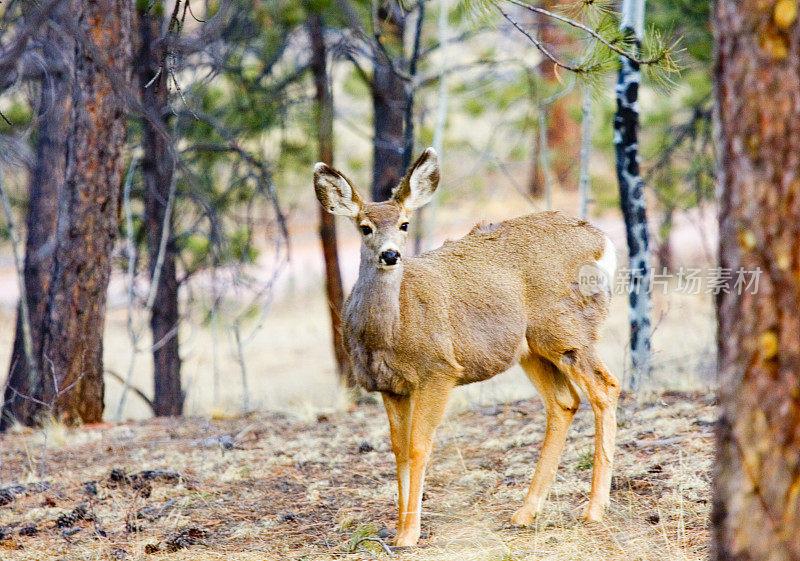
(608, 263)
(598, 276)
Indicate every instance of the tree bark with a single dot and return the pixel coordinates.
(389, 102)
(23, 387)
(327, 222)
(632, 197)
(756, 508)
(157, 168)
(72, 331)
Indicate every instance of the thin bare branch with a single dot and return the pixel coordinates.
(386, 548)
(166, 230)
(378, 49)
(584, 182)
(25, 316)
(134, 389)
(242, 366)
(539, 45)
(131, 250)
(437, 76)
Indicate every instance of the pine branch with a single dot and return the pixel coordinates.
(578, 25)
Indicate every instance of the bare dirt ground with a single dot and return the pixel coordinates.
(303, 479)
(270, 486)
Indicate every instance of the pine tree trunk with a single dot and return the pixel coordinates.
(46, 183)
(327, 223)
(72, 333)
(157, 169)
(389, 103)
(632, 197)
(756, 509)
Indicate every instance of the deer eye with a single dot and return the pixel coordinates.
(404, 226)
(366, 230)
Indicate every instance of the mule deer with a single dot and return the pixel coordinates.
(416, 327)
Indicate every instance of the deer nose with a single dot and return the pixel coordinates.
(389, 257)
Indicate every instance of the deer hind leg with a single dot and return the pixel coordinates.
(430, 404)
(602, 389)
(398, 409)
(561, 401)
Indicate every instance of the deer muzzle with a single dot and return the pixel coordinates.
(389, 258)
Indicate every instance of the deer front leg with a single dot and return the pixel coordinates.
(398, 409)
(430, 403)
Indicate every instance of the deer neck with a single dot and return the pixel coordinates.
(375, 302)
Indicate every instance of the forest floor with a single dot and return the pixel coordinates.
(270, 486)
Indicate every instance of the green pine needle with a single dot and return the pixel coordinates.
(665, 67)
(482, 11)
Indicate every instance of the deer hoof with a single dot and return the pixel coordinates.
(593, 513)
(407, 539)
(523, 517)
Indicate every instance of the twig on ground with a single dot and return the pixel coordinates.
(386, 548)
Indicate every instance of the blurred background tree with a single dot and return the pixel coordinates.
(320, 69)
(63, 373)
(44, 188)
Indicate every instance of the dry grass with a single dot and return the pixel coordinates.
(291, 489)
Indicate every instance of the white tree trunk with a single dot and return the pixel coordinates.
(584, 182)
(632, 198)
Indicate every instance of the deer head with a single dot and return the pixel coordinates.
(383, 225)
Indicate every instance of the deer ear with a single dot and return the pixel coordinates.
(335, 192)
(420, 182)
